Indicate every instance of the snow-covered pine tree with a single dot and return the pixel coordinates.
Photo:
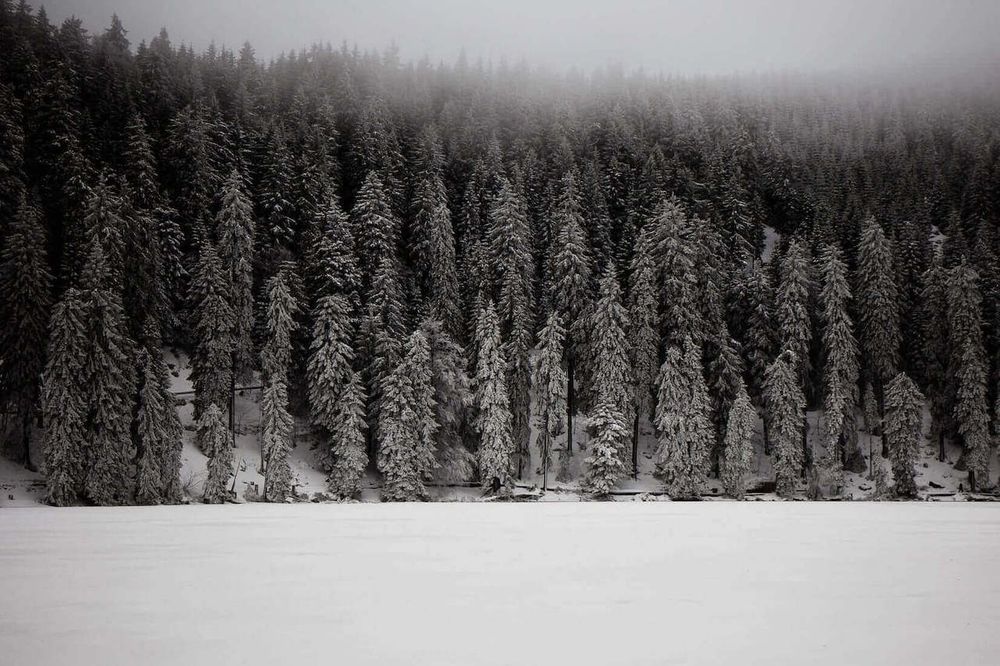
(275, 359)
(548, 383)
(674, 251)
(382, 336)
(644, 347)
(737, 448)
(170, 430)
(236, 229)
(25, 302)
(332, 266)
(512, 270)
(214, 440)
(348, 457)
(212, 358)
(605, 463)
(904, 409)
(612, 394)
(496, 445)
(331, 358)
(151, 432)
(276, 431)
(760, 345)
(399, 440)
(452, 401)
(64, 399)
(374, 226)
(571, 283)
(109, 376)
(276, 352)
(725, 371)
(840, 363)
(794, 326)
(274, 198)
(972, 414)
(878, 306)
(433, 237)
(419, 369)
(682, 423)
(609, 349)
(785, 412)
(934, 357)
(968, 368)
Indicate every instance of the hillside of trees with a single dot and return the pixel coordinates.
(440, 266)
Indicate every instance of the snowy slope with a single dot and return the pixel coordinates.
(454, 584)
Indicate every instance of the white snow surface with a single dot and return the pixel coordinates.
(468, 584)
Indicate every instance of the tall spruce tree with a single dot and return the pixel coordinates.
(399, 440)
(493, 422)
(348, 457)
(275, 362)
(644, 347)
(548, 382)
(236, 229)
(572, 276)
(792, 311)
(453, 401)
(878, 306)
(212, 357)
(840, 363)
(969, 371)
(214, 440)
(25, 300)
(683, 423)
(904, 409)
(785, 411)
(331, 358)
(110, 379)
(737, 448)
(605, 464)
(64, 400)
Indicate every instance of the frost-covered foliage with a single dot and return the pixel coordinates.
(904, 409)
(211, 358)
(348, 456)
(25, 303)
(215, 440)
(453, 399)
(407, 425)
(840, 358)
(548, 385)
(605, 464)
(785, 412)
(493, 421)
(683, 424)
(792, 311)
(64, 400)
(737, 448)
(384, 194)
(878, 305)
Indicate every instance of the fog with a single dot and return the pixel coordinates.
(676, 36)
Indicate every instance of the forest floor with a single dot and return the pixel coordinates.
(442, 584)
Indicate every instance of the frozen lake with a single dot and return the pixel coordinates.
(463, 584)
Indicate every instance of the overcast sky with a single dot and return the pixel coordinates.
(673, 36)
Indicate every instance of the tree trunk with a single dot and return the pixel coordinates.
(941, 444)
(635, 446)
(545, 457)
(570, 400)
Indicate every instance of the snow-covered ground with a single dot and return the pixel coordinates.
(466, 584)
